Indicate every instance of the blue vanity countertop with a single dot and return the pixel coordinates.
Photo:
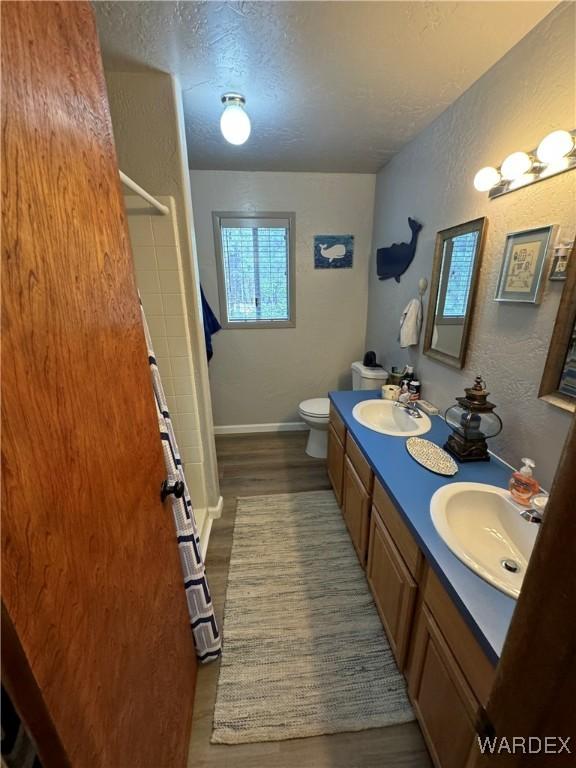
(486, 610)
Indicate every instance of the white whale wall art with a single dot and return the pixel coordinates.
(333, 251)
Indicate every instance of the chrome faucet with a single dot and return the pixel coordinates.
(536, 512)
(410, 409)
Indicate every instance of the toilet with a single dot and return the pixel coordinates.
(315, 413)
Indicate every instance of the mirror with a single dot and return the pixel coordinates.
(558, 385)
(453, 285)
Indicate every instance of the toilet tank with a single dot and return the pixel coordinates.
(368, 378)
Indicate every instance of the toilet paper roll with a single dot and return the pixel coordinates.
(390, 392)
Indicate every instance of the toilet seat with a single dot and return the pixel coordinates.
(318, 407)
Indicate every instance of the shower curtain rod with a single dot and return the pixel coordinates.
(127, 181)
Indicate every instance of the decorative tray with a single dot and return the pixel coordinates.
(431, 456)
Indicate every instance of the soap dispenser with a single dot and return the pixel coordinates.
(523, 485)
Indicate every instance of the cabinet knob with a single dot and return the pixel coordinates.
(176, 489)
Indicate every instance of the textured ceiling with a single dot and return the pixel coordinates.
(330, 86)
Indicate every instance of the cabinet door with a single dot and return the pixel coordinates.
(445, 705)
(335, 464)
(100, 640)
(392, 586)
(356, 510)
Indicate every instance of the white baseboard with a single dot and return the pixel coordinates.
(247, 429)
(208, 514)
(205, 535)
(216, 511)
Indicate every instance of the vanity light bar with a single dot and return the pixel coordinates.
(555, 154)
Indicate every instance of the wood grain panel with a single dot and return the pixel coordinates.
(356, 511)
(338, 425)
(444, 704)
(91, 578)
(363, 469)
(392, 586)
(335, 464)
(399, 532)
(472, 660)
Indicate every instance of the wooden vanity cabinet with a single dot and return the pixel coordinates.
(449, 676)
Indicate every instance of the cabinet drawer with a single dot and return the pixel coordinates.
(335, 463)
(337, 424)
(472, 660)
(392, 586)
(398, 531)
(363, 469)
(445, 705)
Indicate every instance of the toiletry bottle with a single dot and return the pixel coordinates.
(407, 376)
(414, 389)
(522, 483)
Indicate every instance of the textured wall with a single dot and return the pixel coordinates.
(149, 134)
(260, 376)
(530, 92)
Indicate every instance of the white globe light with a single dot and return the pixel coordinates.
(486, 178)
(516, 165)
(555, 146)
(235, 124)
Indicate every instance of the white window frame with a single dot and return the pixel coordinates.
(264, 218)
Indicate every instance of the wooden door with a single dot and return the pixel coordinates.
(392, 586)
(104, 667)
(444, 703)
(356, 510)
(335, 464)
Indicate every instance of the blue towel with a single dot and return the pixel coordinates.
(211, 324)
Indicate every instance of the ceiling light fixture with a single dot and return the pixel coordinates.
(235, 123)
(555, 154)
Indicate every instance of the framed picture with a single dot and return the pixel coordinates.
(560, 261)
(523, 266)
(333, 251)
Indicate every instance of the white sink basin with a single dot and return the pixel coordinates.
(483, 527)
(387, 417)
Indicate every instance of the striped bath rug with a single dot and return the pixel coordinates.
(304, 652)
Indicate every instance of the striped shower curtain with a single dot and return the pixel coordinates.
(200, 608)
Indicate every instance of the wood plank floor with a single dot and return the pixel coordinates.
(252, 465)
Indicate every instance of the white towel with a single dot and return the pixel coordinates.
(411, 323)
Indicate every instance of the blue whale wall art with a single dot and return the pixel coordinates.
(395, 259)
(333, 251)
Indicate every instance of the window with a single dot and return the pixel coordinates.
(254, 256)
(456, 278)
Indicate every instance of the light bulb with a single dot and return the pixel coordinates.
(234, 123)
(516, 165)
(555, 146)
(521, 181)
(486, 178)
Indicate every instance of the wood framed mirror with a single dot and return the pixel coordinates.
(457, 259)
(558, 385)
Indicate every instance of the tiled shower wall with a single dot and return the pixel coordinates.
(158, 266)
